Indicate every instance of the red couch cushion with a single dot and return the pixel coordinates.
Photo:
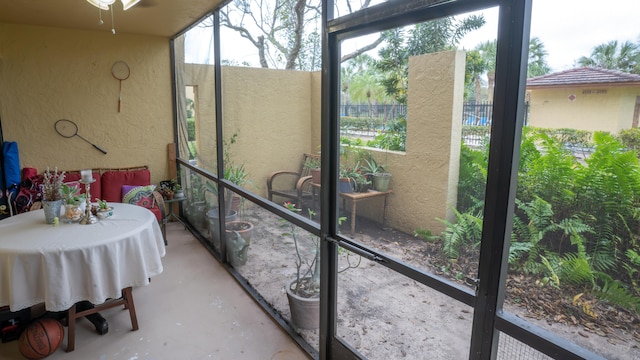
(113, 180)
(96, 187)
(157, 213)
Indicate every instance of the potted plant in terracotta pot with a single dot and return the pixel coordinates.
(313, 164)
(234, 206)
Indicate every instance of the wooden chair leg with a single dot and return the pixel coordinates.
(71, 326)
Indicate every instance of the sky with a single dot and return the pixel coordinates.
(568, 29)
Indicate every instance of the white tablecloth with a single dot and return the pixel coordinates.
(61, 265)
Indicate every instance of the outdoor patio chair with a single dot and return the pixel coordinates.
(292, 185)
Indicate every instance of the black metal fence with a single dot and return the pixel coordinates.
(478, 114)
(473, 113)
(387, 112)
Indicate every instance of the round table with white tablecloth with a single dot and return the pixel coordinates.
(64, 264)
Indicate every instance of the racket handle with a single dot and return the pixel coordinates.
(99, 149)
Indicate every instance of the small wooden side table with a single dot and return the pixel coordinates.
(356, 197)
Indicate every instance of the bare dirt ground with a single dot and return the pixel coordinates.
(384, 315)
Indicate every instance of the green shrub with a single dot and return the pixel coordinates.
(576, 222)
(191, 129)
(472, 181)
(630, 138)
(394, 138)
(359, 123)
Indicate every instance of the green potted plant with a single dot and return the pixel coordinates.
(196, 190)
(303, 292)
(313, 164)
(349, 177)
(237, 174)
(103, 210)
(380, 178)
(74, 203)
(177, 189)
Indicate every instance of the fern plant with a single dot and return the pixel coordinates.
(616, 293)
(466, 230)
(531, 235)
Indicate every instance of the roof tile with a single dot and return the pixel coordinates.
(584, 76)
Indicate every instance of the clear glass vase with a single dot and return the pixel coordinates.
(73, 213)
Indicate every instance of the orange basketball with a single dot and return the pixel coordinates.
(40, 339)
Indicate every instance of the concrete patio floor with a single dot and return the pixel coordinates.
(193, 310)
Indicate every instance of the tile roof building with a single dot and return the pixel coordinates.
(585, 98)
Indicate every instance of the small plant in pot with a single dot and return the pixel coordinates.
(103, 210)
(177, 189)
(238, 239)
(74, 203)
(350, 176)
(379, 177)
(303, 292)
(313, 164)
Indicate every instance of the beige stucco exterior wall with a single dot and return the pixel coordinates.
(50, 73)
(276, 114)
(594, 108)
(271, 110)
(425, 178)
(429, 172)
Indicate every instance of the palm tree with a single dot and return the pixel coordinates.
(364, 82)
(537, 62)
(487, 52)
(475, 68)
(615, 56)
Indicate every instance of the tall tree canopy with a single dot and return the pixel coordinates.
(277, 29)
(537, 62)
(537, 59)
(286, 33)
(615, 56)
(429, 37)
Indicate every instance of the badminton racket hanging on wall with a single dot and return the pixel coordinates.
(67, 128)
(120, 70)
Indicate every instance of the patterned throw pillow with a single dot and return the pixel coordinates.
(138, 195)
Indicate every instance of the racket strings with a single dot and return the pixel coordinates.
(66, 128)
